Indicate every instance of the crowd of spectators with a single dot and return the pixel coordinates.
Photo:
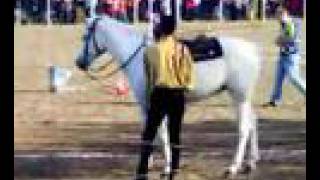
(71, 11)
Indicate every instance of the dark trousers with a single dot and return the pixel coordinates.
(163, 101)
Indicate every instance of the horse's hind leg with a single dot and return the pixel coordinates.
(247, 131)
(254, 149)
(244, 116)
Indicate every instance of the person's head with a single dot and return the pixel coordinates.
(283, 14)
(165, 27)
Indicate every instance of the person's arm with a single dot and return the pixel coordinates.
(189, 68)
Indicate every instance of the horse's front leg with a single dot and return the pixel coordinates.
(163, 137)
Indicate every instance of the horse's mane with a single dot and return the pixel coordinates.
(121, 26)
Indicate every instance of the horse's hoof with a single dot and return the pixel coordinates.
(229, 173)
(151, 163)
(167, 176)
(253, 165)
(247, 169)
(164, 176)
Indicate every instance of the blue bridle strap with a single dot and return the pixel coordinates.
(91, 32)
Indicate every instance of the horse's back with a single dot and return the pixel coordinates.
(232, 45)
(240, 60)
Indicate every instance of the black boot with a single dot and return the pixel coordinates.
(271, 104)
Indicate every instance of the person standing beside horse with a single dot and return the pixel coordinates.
(169, 72)
(289, 58)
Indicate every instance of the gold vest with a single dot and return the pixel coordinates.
(169, 64)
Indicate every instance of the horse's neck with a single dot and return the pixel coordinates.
(123, 42)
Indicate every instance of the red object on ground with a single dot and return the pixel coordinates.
(122, 87)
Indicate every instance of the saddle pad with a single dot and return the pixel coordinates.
(203, 48)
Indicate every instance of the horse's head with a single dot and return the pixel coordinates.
(92, 47)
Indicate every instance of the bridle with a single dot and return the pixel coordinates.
(91, 32)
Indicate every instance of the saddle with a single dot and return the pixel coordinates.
(203, 48)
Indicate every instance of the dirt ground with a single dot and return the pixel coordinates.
(96, 120)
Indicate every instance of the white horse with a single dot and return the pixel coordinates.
(237, 70)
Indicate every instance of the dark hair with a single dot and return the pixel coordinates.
(283, 6)
(166, 26)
